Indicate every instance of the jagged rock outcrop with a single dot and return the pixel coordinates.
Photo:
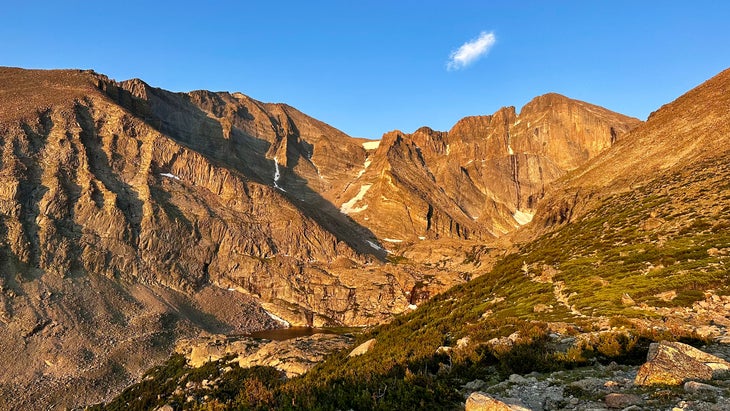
(484, 177)
(479, 401)
(122, 207)
(91, 188)
(363, 348)
(294, 356)
(617, 400)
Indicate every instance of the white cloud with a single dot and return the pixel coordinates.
(470, 51)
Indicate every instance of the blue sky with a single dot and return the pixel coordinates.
(368, 67)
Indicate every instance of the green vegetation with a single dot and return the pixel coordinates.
(225, 386)
(658, 238)
(411, 374)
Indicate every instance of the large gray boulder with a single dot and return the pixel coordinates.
(673, 363)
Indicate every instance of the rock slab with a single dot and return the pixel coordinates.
(479, 401)
(363, 348)
(673, 363)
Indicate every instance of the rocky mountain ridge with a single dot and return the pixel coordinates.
(484, 177)
(115, 235)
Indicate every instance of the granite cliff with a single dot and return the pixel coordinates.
(484, 177)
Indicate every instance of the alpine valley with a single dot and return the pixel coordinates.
(528, 258)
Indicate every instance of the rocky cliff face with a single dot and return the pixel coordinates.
(484, 177)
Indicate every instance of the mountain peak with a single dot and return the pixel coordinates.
(136, 87)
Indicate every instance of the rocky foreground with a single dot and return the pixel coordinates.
(293, 357)
(676, 377)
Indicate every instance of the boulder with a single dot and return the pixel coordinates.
(479, 401)
(618, 400)
(673, 363)
(443, 349)
(362, 348)
(590, 384)
(627, 300)
(697, 387)
(542, 308)
(462, 342)
(517, 379)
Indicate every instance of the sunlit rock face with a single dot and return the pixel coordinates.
(484, 177)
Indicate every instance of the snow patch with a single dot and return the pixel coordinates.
(509, 144)
(523, 217)
(168, 175)
(364, 167)
(392, 240)
(278, 319)
(277, 175)
(371, 145)
(349, 206)
(412, 306)
(517, 122)
(421, 238)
